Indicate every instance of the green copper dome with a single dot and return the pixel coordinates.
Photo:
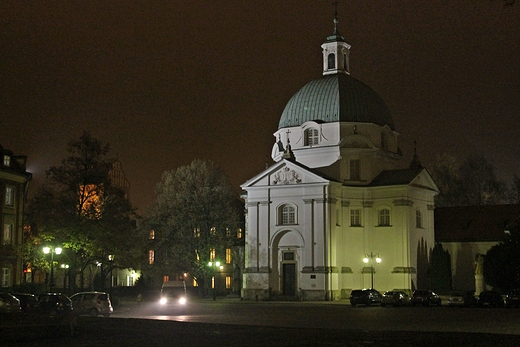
(336, 98)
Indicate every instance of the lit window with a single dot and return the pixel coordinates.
(212, 254)
(228, 282)
(228, 255)
(213, 231)
(288, 215)
(355, 169)
(8, 234)
(355, 218)
(166, 278)
(384, 217)
(7, 160)
(239, 233)
(311, 137)
(152, 234)
(90, 201)
(196, 232)
(151, 257)
(9, 196)
(418, 219)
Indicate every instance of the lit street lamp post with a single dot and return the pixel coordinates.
(111, 261)
(370, 258)
(214, 265)
(52, 251)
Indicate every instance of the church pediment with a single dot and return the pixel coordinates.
(285, 173)
(424, 180)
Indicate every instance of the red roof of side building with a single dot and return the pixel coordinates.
(474, 223)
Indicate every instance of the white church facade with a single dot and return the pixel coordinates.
(333, 213)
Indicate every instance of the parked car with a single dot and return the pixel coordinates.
(55, 304)
(8, 303)
(425, 297)
(462, 298)
(513, 298)
(28, 302)
(395, 298)
(490, 298)
(92, 303)
(365, 297)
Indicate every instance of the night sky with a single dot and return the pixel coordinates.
(166, 82)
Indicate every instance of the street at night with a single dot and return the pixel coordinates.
(239, 323)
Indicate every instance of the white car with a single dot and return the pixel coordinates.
(92, 303)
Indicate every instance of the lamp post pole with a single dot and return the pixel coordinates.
(65, 268)
(369, 257)
(52, 250)
(111, 261)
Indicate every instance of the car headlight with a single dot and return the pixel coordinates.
(163, 301)
(182, 301)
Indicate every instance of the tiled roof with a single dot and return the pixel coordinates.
(474, 223)
(395, 177)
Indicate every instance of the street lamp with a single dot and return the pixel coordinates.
(370, 258)
(214, 265)
(52, 251)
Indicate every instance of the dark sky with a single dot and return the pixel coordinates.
(166, 82)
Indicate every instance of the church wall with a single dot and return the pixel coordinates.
(267, 239)
(394, 243)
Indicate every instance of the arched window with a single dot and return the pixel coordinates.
(355, 217)
(287, 215)
(418, 219)
(331, 61)
(311, 137)
(384, 217)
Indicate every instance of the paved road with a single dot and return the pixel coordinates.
(337, 315)
(234, 323)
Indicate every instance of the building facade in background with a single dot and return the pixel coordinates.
(14, 184)
(333, 213)
(467, 233)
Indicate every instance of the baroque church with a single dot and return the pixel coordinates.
(333, 213)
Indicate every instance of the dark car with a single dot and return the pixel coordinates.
(490, 298)
(425, 297)
(9, 303)
(55, 304)
(513, 298)
(365, 297)
(462, 298)
(395, 298)
(28, 302)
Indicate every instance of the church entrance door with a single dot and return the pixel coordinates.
(289, 279)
